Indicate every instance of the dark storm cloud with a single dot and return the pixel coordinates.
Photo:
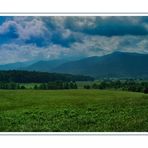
(143, 19)
(110, 26)
(65, 31)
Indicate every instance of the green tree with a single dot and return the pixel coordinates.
(87, 86)
(35, 87)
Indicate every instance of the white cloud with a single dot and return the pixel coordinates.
(11, 53)
(4, 28)
(25, 27)
(34, 28)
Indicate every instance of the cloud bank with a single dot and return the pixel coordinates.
(39, 38)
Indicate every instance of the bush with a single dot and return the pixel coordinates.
(22, 87)
(35, 87)
(87, 86)
(145, 90)
(95, 86)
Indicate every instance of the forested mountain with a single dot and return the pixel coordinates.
(114, 65)
(44, 66)
(117, 64)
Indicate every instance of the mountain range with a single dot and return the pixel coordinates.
(44, 66)
(15, 66)
(114, 65)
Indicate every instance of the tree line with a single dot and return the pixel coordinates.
(39, 77)
(56, 85)
(128, 85)
(11, 85)
(42, 86)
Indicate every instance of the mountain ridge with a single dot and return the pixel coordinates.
(117, 64)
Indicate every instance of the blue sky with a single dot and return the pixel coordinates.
(30, 38)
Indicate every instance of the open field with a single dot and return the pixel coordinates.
(73, 111)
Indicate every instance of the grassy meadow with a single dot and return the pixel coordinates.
(73, 111)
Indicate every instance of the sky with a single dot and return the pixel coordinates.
(34, 38)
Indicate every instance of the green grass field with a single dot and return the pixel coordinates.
(73, 111)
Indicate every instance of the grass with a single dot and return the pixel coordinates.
(73, 111)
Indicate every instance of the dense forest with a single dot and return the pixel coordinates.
(39, 77)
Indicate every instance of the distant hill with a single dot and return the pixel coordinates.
(13, 66)
(44, 66)
(117, 64)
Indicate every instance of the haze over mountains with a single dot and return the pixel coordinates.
(17, 65)
(44, 66)
(114, 65)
